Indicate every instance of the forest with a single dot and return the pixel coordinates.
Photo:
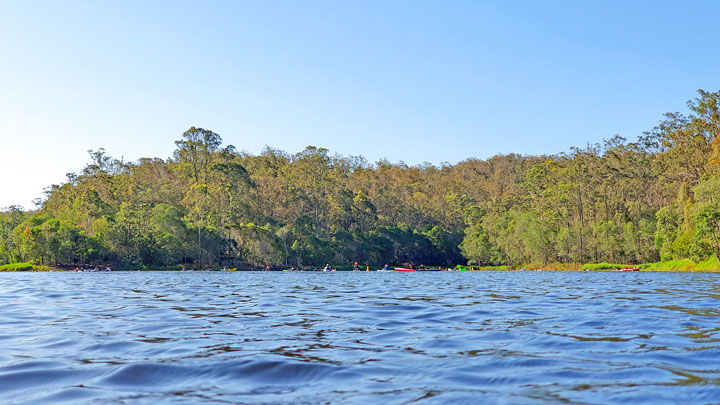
(210, 205)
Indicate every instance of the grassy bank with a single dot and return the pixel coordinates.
(711, 264)
(23, 267)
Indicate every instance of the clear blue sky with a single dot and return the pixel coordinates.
(413, 81)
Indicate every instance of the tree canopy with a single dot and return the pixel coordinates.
(209, 205)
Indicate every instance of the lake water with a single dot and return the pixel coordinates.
(363, 337)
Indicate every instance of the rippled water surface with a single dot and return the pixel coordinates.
(363, 337)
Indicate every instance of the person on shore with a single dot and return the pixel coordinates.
(355, 267)
(386, 267)
(327, 267)
(267, 268)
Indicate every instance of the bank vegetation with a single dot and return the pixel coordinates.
(653, 200)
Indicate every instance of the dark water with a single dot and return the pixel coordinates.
(482, 337)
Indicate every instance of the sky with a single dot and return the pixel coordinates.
(408, 81)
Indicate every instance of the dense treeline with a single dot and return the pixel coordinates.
(619, 201)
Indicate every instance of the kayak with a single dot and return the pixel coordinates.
(403, 269)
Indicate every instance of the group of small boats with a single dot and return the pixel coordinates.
(459, 268)
(420, 269)
(391, 269)
(89, 270)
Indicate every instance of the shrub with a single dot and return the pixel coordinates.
(17, 267)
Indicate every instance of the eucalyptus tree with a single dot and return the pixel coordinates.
(10, 218)
(194, 156)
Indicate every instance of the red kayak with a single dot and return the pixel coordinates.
(403, 269)
(629, 269)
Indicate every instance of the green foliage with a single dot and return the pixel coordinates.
(259, 245)
(706, 240)
(498, 268)
(209, 206)
(17, 267)
(476, 245)
(9, 247)
(709, 264)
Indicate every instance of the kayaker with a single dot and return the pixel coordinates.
(386, 267)
(327, 267)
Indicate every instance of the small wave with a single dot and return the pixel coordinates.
(275, 372)
(154, 375)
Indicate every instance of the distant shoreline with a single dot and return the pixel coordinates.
(672, 266)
